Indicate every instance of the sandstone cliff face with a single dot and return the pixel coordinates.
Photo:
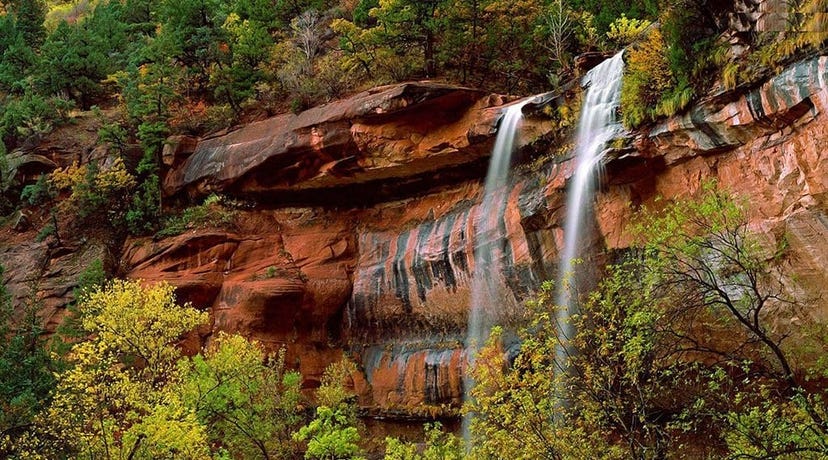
(364, 235)
(390, 282)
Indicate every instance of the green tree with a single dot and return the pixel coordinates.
(362, 16)
(247, 400)
(333, 434)
(70, 331)
(607, 12)
(29, 15)
(439, 445)
(150, 85)
(703, 250)
(330, 436)
(17, 57)
(647, 78)
(26, 379)
(233, 76)
(74, 61)
(517, 408)
(31, 115)
(140, 17)
(676, 339)
(192, 36)
(402, 42)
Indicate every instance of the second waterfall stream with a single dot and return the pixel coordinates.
(599, 123)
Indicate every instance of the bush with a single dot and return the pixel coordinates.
(246, 399)
(97, 195)
(606, 12)
(39, 192)
(690, 31)
(647, 78)
(216, 211)
(333, 433)
(438, 445)
(624, 30)
(26, 369)
(198, 117)
(31, 115)
(142, 216)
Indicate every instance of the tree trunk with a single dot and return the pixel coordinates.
(430, 64)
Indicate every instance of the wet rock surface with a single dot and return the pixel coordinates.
(383, 274)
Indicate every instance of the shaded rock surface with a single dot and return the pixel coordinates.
(390, 133)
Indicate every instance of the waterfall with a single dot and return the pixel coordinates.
(598, 125)
(488, 299)
(485, 295)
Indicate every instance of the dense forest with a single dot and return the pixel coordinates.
(645, 377)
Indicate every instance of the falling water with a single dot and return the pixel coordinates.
(488, 300)
(484, 296)
(598, 125)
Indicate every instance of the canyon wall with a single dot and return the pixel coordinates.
(360, 228)
(383, 271)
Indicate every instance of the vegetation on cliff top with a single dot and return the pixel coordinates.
(195, 66)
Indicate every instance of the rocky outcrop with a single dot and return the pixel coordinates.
(281, 277)
(390, 134)
(44, 277)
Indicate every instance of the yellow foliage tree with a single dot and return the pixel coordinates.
(516, 409)
(647, 78)
(98, 194)
(624, 30)
(119, 398)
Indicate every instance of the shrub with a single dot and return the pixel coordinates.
(198, 117)
(624, 30)
(98, 195)
(216, 211)
(31, 115)
(142, 216)
(646, 78)
(605, 13)
(246, 399)
(333, 432)
(438, 445)
(39, 192)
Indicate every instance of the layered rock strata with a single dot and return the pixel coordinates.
(362, 240)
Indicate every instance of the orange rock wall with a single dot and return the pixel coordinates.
(390, 283)
(386, 279)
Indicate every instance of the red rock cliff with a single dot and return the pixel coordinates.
(385, 275)
(364, 234)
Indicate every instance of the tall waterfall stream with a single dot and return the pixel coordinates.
(598, 125)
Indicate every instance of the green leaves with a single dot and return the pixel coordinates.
(247, 400)
(675, 339)
(26, 378)
(333, 434)
(330, 435)
(439, 445)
